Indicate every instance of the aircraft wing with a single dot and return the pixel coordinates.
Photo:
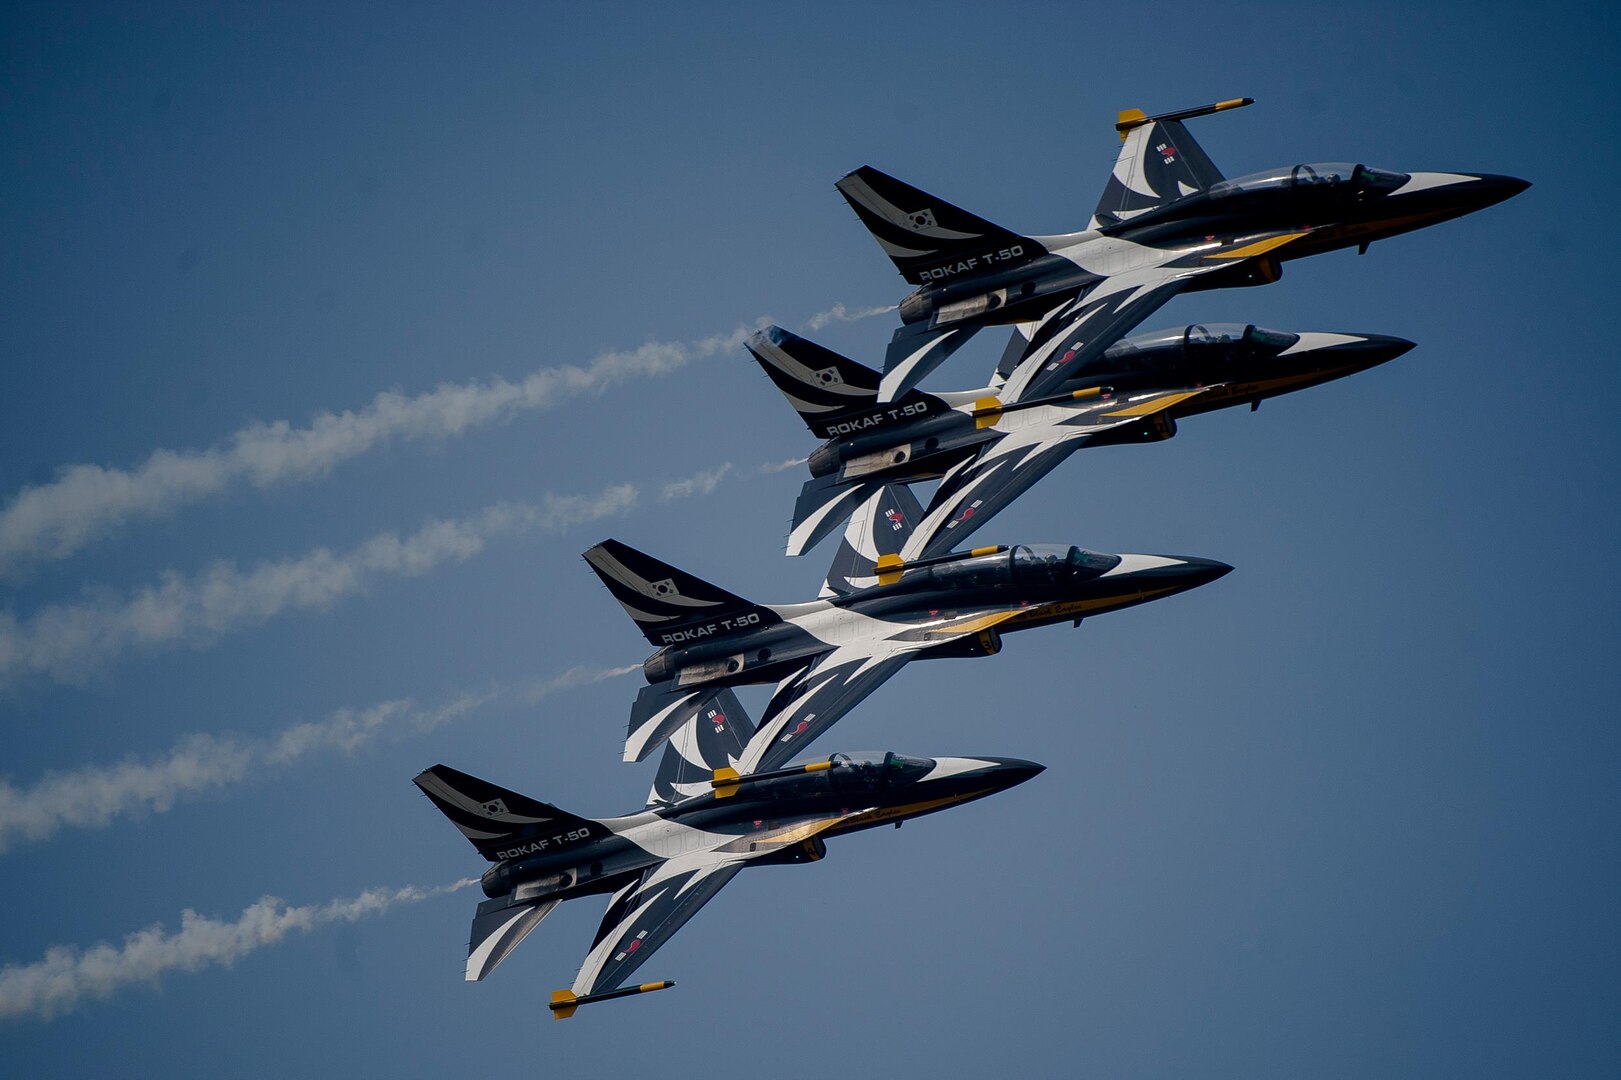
(645, 913)
(816, 697)
(977, 489)
(1074, 333)
(1078, 332)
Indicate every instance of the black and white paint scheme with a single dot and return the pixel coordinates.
(987, 449)
(664, 863)
(1168, 222)
(875, 613)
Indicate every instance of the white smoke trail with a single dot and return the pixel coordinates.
(839, 313)
(67, 641)
(93, 796)
(700, 483)
(84, 502)
(780, 466)
(67, 975)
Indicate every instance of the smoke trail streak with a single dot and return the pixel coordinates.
(67, 641)
(67, 975)
(701, 483)
(839, 313)
(86, 501)
(93, 796)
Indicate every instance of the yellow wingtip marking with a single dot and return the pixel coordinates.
(987, 410)
(983, 551)
(890, 568)
(562, 1005)
(1128, 119)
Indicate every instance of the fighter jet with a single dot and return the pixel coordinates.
(665, 862)
(876, 613)
(1167, 222)
(990, 451)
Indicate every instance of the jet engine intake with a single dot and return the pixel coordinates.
(1155, 428)
(1261, 270)
(811, 849)
(987, 642)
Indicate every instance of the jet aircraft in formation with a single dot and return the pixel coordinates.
(1168, 222)
(665, 862)
(989, 452)
(877, 613)
(724, 795)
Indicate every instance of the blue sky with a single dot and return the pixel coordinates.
(1351, 810)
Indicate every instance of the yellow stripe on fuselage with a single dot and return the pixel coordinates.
(1260, 247)
(1149, 408)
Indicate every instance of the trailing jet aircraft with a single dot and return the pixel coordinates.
(875, 614)
(666, 862)
(990, 451)
(1167, 222)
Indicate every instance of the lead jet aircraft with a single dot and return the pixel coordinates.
(876, 613)
(990, 451)
(665, 862)
(1167, 222)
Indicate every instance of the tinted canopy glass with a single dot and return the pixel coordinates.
(1325, 175)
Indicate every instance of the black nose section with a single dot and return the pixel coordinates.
(1187, 572)
(1014, 771)
(1372, 350)
(1492, 188)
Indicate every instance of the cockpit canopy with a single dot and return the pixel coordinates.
(1316, 176)
(876, 768)
(1198, 354)
(1044, 563)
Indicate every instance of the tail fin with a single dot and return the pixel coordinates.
(879, 526)
(833, 394)
(671, 606)
(928, 238)
(818, 382)
(1159, 163)
(712, 737)
(503, 824)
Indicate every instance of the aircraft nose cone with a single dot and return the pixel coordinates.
(1378, 348)
(1493, 188)
(1369, 350)
(1196, 572)
(1179, 572)
(1015, 771)
(1460, 193)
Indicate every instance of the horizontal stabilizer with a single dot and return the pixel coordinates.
(878, 528)
(915, 351)
(712, 737)
(824, 504)
(498, 928)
